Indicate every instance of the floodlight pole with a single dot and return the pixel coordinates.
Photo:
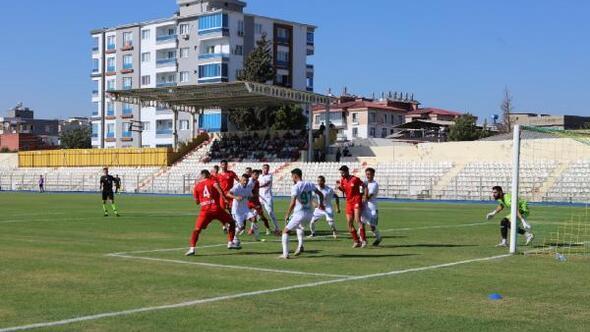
(515, 191)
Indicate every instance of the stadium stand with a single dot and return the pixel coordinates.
(255, 147)
(572, 185)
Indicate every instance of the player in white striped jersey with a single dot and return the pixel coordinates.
(301, 197)
(240, 194)
(328, 212)
(266, 197)
(370, 214)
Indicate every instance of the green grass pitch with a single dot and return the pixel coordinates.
(56, 264)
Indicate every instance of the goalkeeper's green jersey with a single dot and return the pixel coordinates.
(523, 206)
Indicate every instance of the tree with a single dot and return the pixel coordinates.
(507, 108)
(76, 137)
(258, 67)
(465, 129)
(288, 117)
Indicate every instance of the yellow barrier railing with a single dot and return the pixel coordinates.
(97, 157)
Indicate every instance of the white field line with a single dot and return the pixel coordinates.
(234, 267)
(242, 295)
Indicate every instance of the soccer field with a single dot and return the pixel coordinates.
(64, 267)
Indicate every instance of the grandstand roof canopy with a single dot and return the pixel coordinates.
(193, 98)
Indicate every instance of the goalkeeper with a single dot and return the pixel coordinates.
(505, 202)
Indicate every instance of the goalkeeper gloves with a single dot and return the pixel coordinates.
(491, 215)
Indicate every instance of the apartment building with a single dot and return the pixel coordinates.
(206, 42)
(359, 117)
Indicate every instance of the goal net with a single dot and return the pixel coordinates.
(554, 178)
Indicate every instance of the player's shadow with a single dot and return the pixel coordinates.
(425, 245)
(357, 256)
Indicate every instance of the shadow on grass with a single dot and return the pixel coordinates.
(428, 246)
(357, 256)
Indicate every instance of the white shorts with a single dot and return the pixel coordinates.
(328, 213)
(299, 219)
(268, 204)
(370, 217)
(251, 214)
(240, 219)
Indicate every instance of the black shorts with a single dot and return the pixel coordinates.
(108, 195)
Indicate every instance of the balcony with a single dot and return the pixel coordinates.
(165, 84)
(127, 134)
(95, 50)
(128, 46)
(161, 110)
(161, 39)
(94, 93)
(209, 56)
(283, 64)
(164, 133)
(110, 135)
(166, 62)
(309, 67)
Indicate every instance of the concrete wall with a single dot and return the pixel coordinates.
(8, 160)
(464, 152)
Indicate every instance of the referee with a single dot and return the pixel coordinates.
(106, 186)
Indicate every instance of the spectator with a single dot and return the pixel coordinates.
(41, 184)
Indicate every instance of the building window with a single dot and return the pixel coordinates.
(111, 85)
(241, 28)
(309, 83)
(146, 57)
(258, 28)
(239, 50)
(212, 23)
(184, 29)
(184, 125)
(127, 62)
(310, 38)
(283, 58)
(164, 127)
(111, 130)
(184, 76)
(210, 49)
(127, 129)
(372, 132)
(95, 65)
(355, 132)
(213, 70)
(110, 109)
(184, 52)
(127, 109)
(283, 35)
(95, 130)
(127, 83)
(145, 126)
(127, 39)
(111, 43)
(146, 80)
(393, 120)
(383, 132)
(401, 119)
(355, 118)
(372, 117)
(145, 34)
(111, 65)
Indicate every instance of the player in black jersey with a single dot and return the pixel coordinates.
(106, 186)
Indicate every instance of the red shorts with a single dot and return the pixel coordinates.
(206, 217)
(352, 205)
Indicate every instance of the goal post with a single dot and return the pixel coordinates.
(515, 188)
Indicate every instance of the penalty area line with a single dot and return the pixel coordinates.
(242, 295)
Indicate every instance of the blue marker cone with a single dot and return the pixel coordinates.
(495, 297)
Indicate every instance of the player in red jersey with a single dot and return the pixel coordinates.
(351, 186)
(207, 193)
(255, 206)
(227, 180)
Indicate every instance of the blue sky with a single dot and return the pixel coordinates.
(453, 54)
